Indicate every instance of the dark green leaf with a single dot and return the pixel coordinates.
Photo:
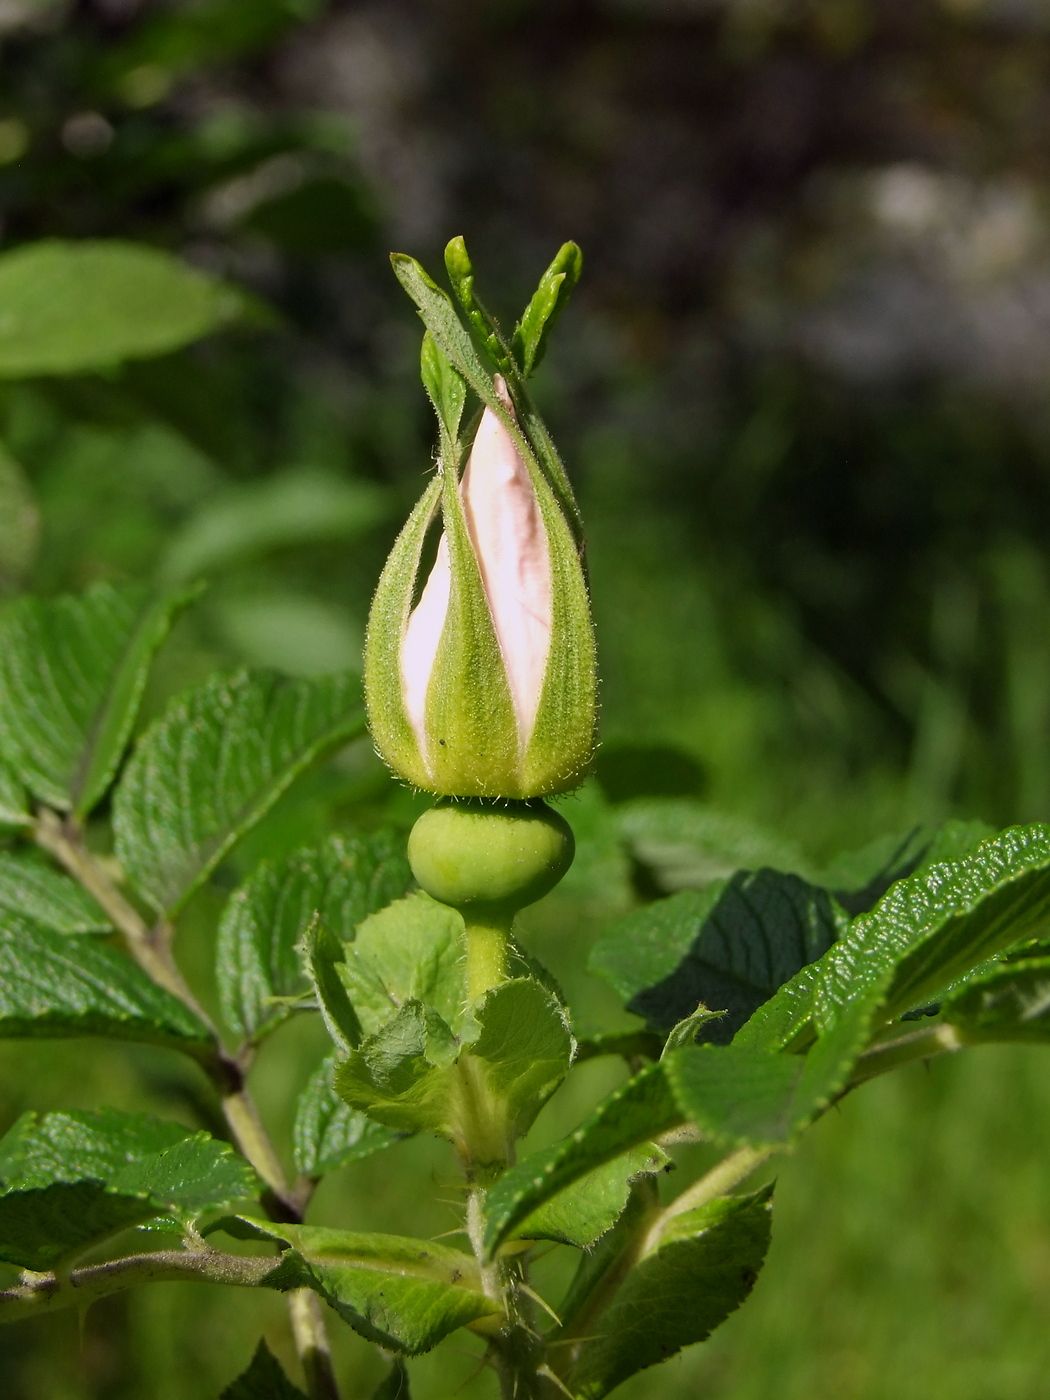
(70, 1180)
(45, 897)
(328, 1134)
(403, 1294)
(1010, 1002)
(325, 955)
(939, 924)
(728, 947)
(72, 672)
(66, 308)
(529, 341)
(393, 1386)
(263, 1380)
(257, 959)
(54, 986)
(639, 1111)
(785, 1018)
(585, 1211)
(705, 1267)
(214, 765)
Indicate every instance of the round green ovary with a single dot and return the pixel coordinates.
(478, 855)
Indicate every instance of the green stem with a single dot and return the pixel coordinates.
(486, 942)
(718, 1181)
(42, 1293)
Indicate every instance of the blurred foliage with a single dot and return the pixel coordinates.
(803, 392)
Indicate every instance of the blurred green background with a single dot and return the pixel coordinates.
(802, 390)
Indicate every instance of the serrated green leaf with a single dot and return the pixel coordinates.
(529, 341)
(68, 308)
(214, 765)
(728, 947)
(786, 1017)
(410, 951)
(327, 1133)
(585, 1211)
(404, 1294)
(42, 895)
(634, 1114)
(1011, 1002)
(70, 1180)
(939, 924)
(263, 1380)
(324, 957)
(52, 986)
(72, 672)
(705, 1267)
(399, 1077)
(737, 1096)
(257, 957)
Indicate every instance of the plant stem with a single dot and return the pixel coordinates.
(151, 949)
(921, 1044)
(311, 1343)
(49, 1293)
(486, 955)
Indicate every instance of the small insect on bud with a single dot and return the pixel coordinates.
(480, 681)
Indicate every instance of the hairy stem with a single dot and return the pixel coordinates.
(311, 1342)
(40, 1293)
(909, 1045)
(486, 956)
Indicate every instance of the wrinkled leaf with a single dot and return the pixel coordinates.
(257, 959)
(399, 1077)
(42, 895)
(70, 1180)
(705, 1267)
(263, 1380)
(327, 1133)
(214, 765)
(728, 947)
(72, 672)
(71, 307)
(52, 986)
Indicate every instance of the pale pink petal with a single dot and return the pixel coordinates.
(510, 541)
(419, 648)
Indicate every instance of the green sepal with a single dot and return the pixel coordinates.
(461, 275)
(529, 342)
(446, 391)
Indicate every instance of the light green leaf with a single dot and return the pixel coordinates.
(410, 951)
(1011, 1002)
(257, 958)
(68, 308)
(292, 508)
(786, 1018)
(402, 1294)
(939, 924)
(461, 275)
(70, 1180)
(705, 1267)
(39, 893)
(585, 1211)
(445, 389)
(214, 765)
(72, 672)
(400, 1076)
(327, 1134)
(263, 1380)
(523, 1051)
(52, 986)
(728, 947)
(529, 341)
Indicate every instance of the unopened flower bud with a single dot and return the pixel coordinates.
(482, 683)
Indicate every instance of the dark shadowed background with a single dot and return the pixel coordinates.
(802, 390)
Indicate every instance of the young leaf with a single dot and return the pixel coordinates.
(69, 1180)
(939, 924)
(585, 1211)
(1010, 1002)
(257, 958)
(72, 307)
(263, 1380)
(529, 341)
(410, 951)
(52, 986)
(72, 672)
(41, 894)
(705, 1267)
(327, 1134)
(400, 1076)
(402, 1294)
(639, 1111)
(214, 765)
(728, 947)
